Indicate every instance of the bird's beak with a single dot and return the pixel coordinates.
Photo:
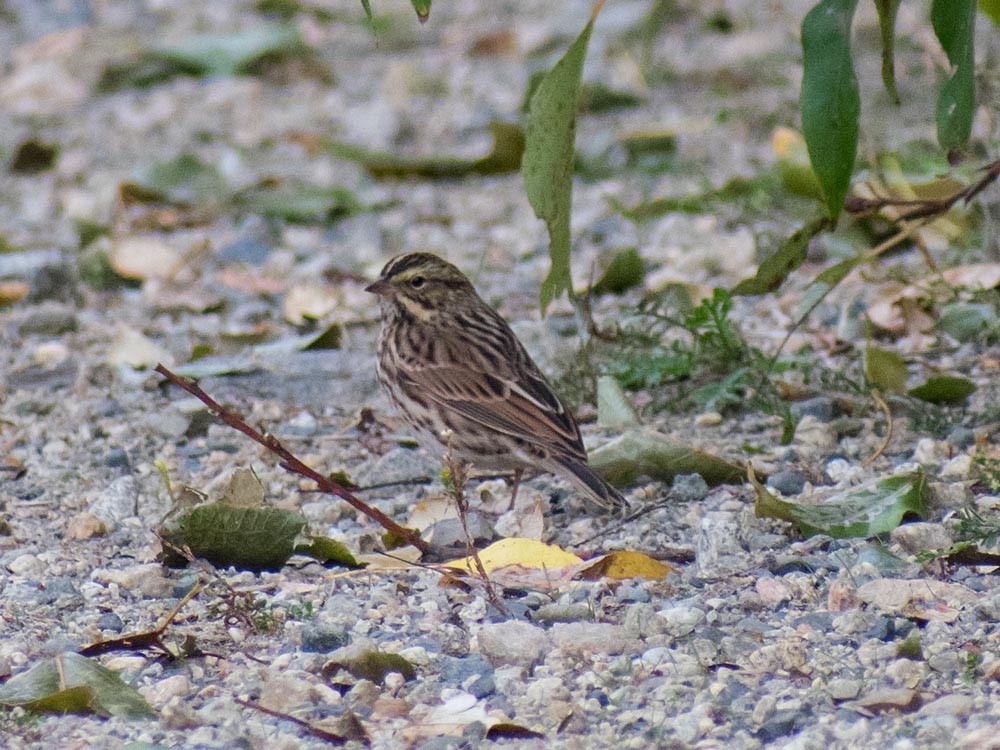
(380, 287)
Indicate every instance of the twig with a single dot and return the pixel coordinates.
(148, 639)
(290, 462)
(926, 207)
(458, 473)
(314, 730)
(888, 429)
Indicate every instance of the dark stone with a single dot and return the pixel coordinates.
(787, 482)
(689, 488)
(889, 629)
(245, 250)
(818, 621)
(116, 458)
(961, 436)
(457, 670)
(110, 621)
(630, 594)
(320, 638)
(821, 407)
(56, 282)
(782, 724)
(598, 695)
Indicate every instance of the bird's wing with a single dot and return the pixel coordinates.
(523, 407)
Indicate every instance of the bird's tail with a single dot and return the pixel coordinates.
(591, 484)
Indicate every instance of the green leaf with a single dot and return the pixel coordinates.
(775, 269)
(256, 539)
(646, 452)
(991, 9)
(829, 102)
(370, 665)
(885, 369)
(423, 9)
(548, 158)
(299, 203)
(623, 273)
(366, 4)
(242, 53)
(887, 25)
(326, 550)
(876, 507)
(503, 157)
(184, 180)
(944, 389)
(70, 683)
(954, 23)
(965, 321)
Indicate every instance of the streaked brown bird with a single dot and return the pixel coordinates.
(460, 377)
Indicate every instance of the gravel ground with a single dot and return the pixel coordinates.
(756, 640)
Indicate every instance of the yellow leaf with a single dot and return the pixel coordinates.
(626, 564)
(528, 553)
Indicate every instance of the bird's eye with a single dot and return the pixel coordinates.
(417, 281)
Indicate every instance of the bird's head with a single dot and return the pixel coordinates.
(422, 284)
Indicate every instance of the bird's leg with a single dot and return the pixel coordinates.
(515, 482)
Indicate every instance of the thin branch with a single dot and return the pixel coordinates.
(315, 731)
(888, 429)
(290, 462)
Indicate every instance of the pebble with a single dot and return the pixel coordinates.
(85, 526)
(787, 482)
(919, 537)
(962, 437)
(689, 488)
(146, 580)
(841, 689)
(820, 408)
(161, 691)
(118, 502)
(110, 621)
(931, 452)
(681, 620)
(958, 468)
(718, 551)
(321, 638)
(550, 613)
(591, 638)
(513, 642)
(708, 419)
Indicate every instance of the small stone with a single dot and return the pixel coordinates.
(289, 692)
(718, 551)
(787, 482)
(514, 643)
(629, 594)
(960, 467)
(116, 458)
(110, 621)
(919, 537)
(930, 452)
(117, 502)
(689, 488)
(841, 689)
(27, 565)
(85, 526)
(949, 705)
(812, 434)
(147, 580)
(176, 713)
(161, 691)
(681, 620)
(961, 437)
(708, 419)
(50, 354)
(772, 591)
(591, 638)
(821, 408)
(48, 320)
(244, 250)
(321, 638)
(470, 673)
(563, 613)
(841, 471)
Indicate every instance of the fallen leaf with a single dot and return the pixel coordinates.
(527, 553)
